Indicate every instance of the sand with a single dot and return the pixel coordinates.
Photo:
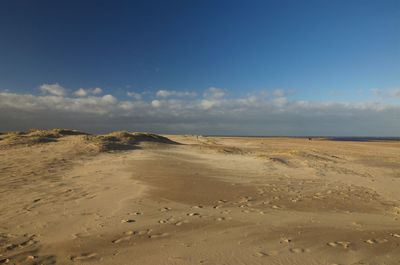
(71, 198)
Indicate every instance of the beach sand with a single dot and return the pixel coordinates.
(72, 198)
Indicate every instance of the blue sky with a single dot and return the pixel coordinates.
(340, 52)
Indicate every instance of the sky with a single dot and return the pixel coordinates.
(293, 68)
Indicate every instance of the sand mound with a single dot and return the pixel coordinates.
(123, 140)
(119, 140)
(17, 138)
(35, 136)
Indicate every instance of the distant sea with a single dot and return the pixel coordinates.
(332, 138)
(363, 139)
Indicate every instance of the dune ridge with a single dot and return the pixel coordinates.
(119, 140)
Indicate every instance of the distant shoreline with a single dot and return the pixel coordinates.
(332, 138)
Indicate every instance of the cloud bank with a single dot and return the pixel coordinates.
(53, 89)
(172, 93)
(90, 91)
(213, 112)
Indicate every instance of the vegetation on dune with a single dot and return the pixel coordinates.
(122, 140)
(119, 140)
(35, 136)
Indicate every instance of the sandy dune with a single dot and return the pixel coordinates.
(72, 198)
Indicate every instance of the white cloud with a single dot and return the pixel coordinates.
(109, 99)
(89, 91)
(208, 103)
(172, 93)
(96, 91)
(214, 93)
(163, 93)
(280, 101)
(53, 89)
(81, 93)
(395, 92)
(386, 93)
(279, 93)
(126, 105)
(156, 103)
(134, 95)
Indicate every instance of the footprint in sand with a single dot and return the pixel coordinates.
(193, 214)
(262, 254)
(84, 256)
(285, 240)
(30, 257)
(78, 235)
(144, 232)
(159, 235)
(170, 220)
(376, 241)
(298, 250)
(332, 244)
(181, 222)
(343, 244)
(245, 199)
(127, 221)
(395, 235)
(165, 209)
(122, 239)
(130, 235)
